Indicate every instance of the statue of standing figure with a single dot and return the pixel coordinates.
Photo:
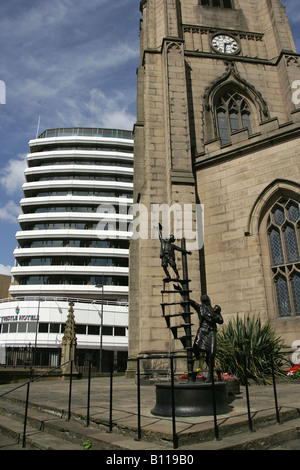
(206, 337)
(167, 253)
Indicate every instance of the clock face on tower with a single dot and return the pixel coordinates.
(225, 44)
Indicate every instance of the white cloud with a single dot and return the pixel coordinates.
(100, 110)
(61, 76)
(10, 212)
(61, 61)
(12, 175)
(119, 119)
(5, 270)
(111, 112)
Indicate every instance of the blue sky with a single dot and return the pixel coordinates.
(73, 63)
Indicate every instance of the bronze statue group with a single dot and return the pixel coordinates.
(209, 316)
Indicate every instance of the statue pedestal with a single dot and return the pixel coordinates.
(66, 371)
(191, 399)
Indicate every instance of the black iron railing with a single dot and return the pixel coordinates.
(88, 132)
(27, 384)
(213, 395)
(171, 358)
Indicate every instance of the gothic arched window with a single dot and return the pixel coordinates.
(284, 242)
(233, 114)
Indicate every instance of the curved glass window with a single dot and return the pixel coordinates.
(73, 280)
(114, 226)
(85, 243)
(56, 177)
(81, 192)
(74, 261)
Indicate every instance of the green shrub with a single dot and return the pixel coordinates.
(246, 342)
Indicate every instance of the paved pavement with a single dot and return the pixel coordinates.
(54, 395)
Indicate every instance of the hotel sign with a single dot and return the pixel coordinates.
(12, 318)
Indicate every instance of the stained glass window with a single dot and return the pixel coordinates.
(292, 252)
(223, 129)
(276, 246)
(284, 241)
(283, 298)
(295, 282)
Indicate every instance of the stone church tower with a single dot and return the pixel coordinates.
(218, 125)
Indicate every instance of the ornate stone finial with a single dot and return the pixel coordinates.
(69, 333)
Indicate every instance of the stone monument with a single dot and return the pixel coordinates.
(68, 345)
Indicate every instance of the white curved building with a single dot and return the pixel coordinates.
(73, 242)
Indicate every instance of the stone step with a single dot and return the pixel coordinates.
(9, 442)
(265, 438)
(50, 430)
(47, 432)
(35, 439)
